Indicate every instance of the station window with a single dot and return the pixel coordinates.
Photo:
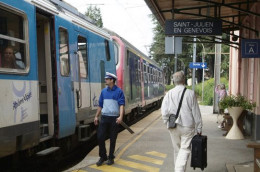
(83, 57)
(13, 41)
(107, 50)
(64, 52)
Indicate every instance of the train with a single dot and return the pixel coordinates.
(140, 77)
(49, 102)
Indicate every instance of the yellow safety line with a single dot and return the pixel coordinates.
(146, 159)
(137, 165)
(158, 154)
(134, 140)
(108, 168)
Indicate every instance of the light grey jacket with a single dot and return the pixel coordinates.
(189, 115)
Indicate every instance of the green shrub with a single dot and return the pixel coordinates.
(208, 90)
(168, 87)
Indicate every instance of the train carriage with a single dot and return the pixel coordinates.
(55, 94)
(52, 66)
(140, 77)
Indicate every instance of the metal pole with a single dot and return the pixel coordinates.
(217, 72)
(175, 63)
(194, 60)
(202, 91)
(183, 66)
(203, 60)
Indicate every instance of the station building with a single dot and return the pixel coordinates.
(241, 21)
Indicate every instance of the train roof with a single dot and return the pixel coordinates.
(133, 48)
(70, 13)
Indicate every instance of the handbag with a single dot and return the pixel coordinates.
(173, 117)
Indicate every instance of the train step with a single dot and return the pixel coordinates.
(47, 151)
(44, 128)
(83, 133)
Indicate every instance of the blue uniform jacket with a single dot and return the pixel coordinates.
(110, 100)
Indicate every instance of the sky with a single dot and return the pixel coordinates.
(128, 18)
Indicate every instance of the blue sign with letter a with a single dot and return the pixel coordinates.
(198, 65)
(250, 48)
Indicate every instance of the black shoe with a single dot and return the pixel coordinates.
(110, 161)
(100, 161)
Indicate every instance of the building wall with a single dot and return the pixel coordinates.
(245, 72)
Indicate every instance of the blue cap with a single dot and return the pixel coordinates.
(110, 76)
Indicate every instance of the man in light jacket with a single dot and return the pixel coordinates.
(188, 123)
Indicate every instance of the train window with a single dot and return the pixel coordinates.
(13, 41)
(149, 74)
(83, 56)
(107, 50)
(116, 49)
(136, 76)
(64, 52)
(128, 57)
(135, 64)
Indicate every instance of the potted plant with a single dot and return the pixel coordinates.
(236, 101)
(235, 106)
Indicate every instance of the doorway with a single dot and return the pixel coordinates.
(45, 76)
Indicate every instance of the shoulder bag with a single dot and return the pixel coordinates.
(173, 117)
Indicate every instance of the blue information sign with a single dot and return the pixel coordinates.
(198, 65)
(250, 48)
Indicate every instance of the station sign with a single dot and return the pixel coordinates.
(250, 48)
(193, 27)
(198, 65)
(173, 45)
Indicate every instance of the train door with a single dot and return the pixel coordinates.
(82, 84)
(65, 85)
(44, 32)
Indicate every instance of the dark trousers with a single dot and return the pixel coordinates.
(106, 126)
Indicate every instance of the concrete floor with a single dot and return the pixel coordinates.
(150, 149)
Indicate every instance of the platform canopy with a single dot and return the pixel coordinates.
(230, 12)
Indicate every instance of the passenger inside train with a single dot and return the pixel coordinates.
(11, 60)
(8, 60)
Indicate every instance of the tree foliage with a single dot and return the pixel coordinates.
(94, 13)
(157, 52)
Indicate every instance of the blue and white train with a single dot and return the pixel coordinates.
(50, 101)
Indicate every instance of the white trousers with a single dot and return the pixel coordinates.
(181, 139)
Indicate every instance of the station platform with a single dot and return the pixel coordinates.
(150, 149)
